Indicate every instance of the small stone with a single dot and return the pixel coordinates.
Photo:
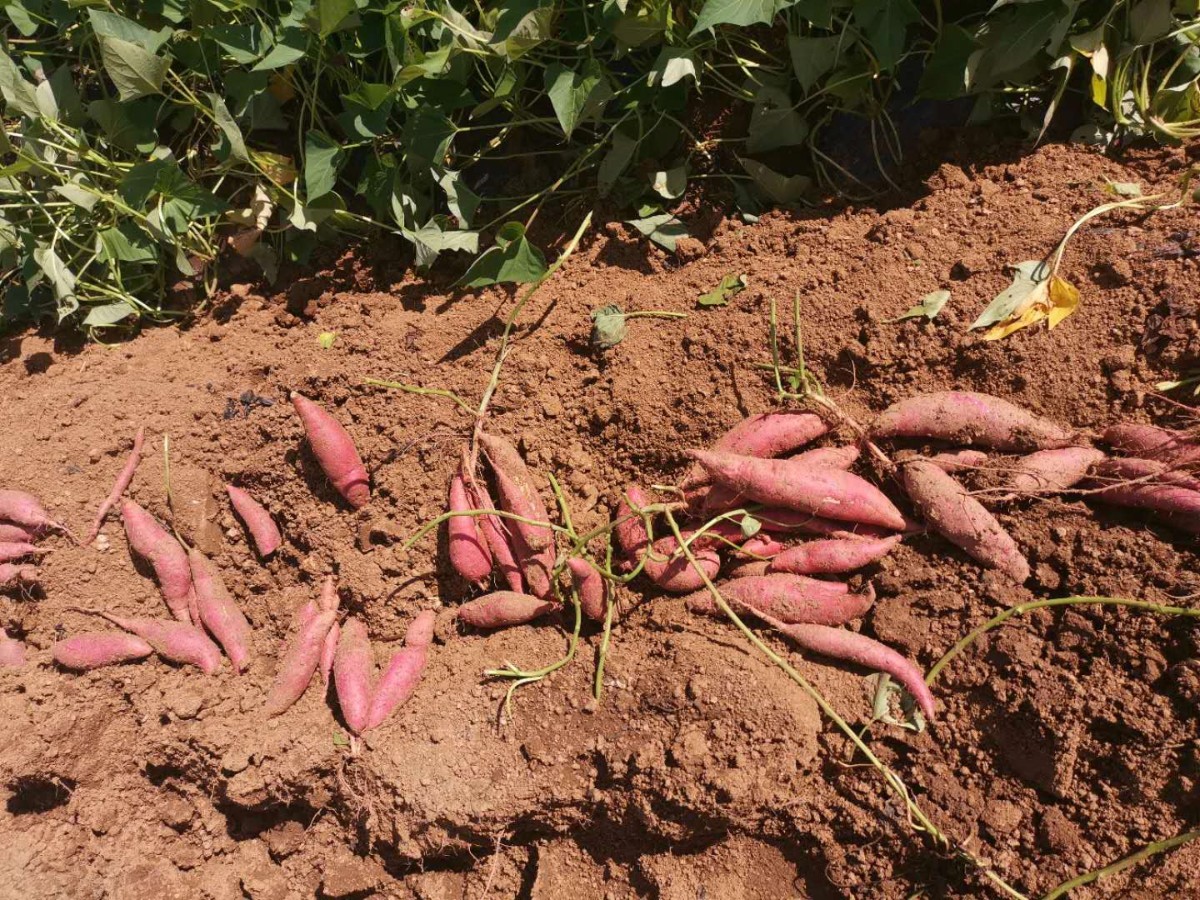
(186, 703)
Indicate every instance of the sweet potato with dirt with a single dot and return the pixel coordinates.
(176, 642)
(961, 519)
(10, 552)
(834, 556)
(24, 509)
(719, 498)
(95, 649)
(788, 598)
(328, 654)
(12, 652)
(1050, 471)
(353, 668)
(496, 533)
(166, 556)
(503, 609)
(838, 643)
(302, 654)
(335, 450)
(676, 574)
(262, 528)
(219, 612)
(400, 679)
(124, 477)
(630, 530)
(469, 553)
(591, 588)
(771, 434)
(763, 546)
(1120, 469)
(954, 461)
(1172, 504)
(532, 544)
(13, 575)
(1152, 442)
(828, 492)
(967, 417)
(788, 521)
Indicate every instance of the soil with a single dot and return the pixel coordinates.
(1063, 741)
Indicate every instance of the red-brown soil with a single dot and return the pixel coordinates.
(1064, 741)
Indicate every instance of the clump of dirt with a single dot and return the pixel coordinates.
(1064, 741)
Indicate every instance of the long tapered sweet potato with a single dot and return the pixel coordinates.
(165, 554)
(826, 492)
(788, 598)
(1172, 504)
(591, 588)
(776, 520)
(352, 672)
(400, 679)
(469, 552)
(1049, 471)
(829, 557)
(495, 532)
(329, 653)
(967, 417)
(771, 434)
(11, 534)
(961, 519)
(954, 461)
(1152, 442)
(503, 609)
(94, 649)
(838, 643)
(12, 652)
(720, 498)
(11, 551)
(1119, 469)
(532, 544)
(13, 575)
(123, 479)
(26, 510)
(302, 654)
(335, 450)
(176, 642)
(219, 612)
(257, 520)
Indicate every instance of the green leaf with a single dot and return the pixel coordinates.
(141, 182)
(126, 243)
(513, 260)
(730, 287)
(25, 24)
(929, 306)
(1150, 20)
(244, 43)
(128, 126)
(520, 26)
(608, 327)
(18, 93)
(750, 526)
(780, 188)
(322, 158)
(433, 238)
(62, 279)
(672, 66)
(108, 315)
(329, 16)
(229, 127)
(812, 57)
(664, 229)
(1011, 39)
(946, 76)
(291, 45)
(670, 183)
(1028, 277)
(134, 71)
(736, 12)
(885, 24)
(463, 202)
(575, 95)
(615, 162)
(110, 25)
(426, 138)
(773, 122)
(75, 192)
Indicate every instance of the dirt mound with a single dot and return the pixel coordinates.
(1065, 740)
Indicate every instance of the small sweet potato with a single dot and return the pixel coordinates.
(352, 672)
(719, 498)
(753, 568)
(165, 554)
(496, 533)
(219, 612)
(15, 534)
(961, 519)
(532, 545)
(763, 546)
(335, 451)
(1050, 471)
(503, 609)
(400, 679)
(24, 509)
(12, 652)
(630, 531)
(302, 654)
(94, 649)
(591, 588)
(788, 598)
(1114, 469)
(257, 520)
(176, 642)
(123, 479)
(12, 575)
(826, 492)
(676, 573)
(771, 434)
(1152, 442)
(967, 417)
(953, 461)
(469, 554)
(18, 550)
(833, 556)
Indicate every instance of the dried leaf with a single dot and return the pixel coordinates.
(608, 327)
(931, 304)
(325, 340)
(730, 287)
(1124, 188)
(1053, 300)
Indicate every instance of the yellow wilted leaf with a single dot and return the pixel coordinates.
(1064, 300)
(1052, 300)
(279, 168)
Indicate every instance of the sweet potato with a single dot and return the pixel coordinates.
(334, 449)
(10, 534)
(12, 575)
(168, 559)
(21, 508)
(827, 492)
(403, 673)
(469, 552)
(502, 609)
(257, 520)
(14, 551)
(771, 434)
(12, 652)
(532, 545)
(954, 461)
(961, 519)
(219, 612)
(786, 521)
(591, 588)
(838, 643)
(123, 479)
(676, 573)
(763, 545)
(720, 498)
(328, 653)
(749, 569)
(1152, 442)
(352, 673)
(830, 557)
(630, 531)
(176, 642)
(1113, 469)
(966, 417)
(1049, 471)
(94, 649)
(495, 532)
(789, 598)
(1172, 504)
(302, 655)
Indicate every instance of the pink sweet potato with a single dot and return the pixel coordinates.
(532, 545)
(961, 519)
(123, 479)
(966, 417)
(771, 434)
(503, 609)
(11, 534)
(833, 556)
(12, 575)
(749, 569)
(257, 520)
(786, 521)
(165, 554)
(495, 532)
(1113, 469)
(14, 551)
(763, 546)
(403, 674)
(838, 643)
(302, 654)
(352, 672)
(788, 598)
(219, 612)
(826, 492)
(334, 449)
(329, 653)
(591, 587)
(21, 508)
(1152, 442)
(469, 552)
(94, 649)
(954, 461)
(1050, 471)
(630, 531)
(12, 652)
(676, 573)
(176, 642)
(720, 498)
(1172, 504)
